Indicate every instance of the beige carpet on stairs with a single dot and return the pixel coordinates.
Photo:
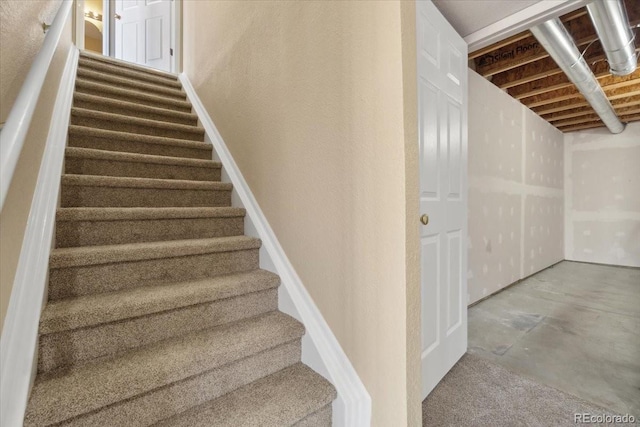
(158, 312)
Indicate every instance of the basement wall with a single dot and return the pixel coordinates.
(602, 185)
(317, 103)
(516, 189)
(21, 37)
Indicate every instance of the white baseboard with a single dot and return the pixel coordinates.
(320, 348)
(18, 344)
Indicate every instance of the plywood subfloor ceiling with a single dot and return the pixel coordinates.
(522, 67)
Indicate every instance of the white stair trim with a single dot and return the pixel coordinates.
(320, 348)
(19, 341)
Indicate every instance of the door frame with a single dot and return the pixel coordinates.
(77, 29)
(106, 28)
(442, 69)
(511, 25)
(108, 36)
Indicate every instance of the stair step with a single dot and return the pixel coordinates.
(122, 123)
(96, 269)
(322, 417)
(78, 329)
(107, 191)
(114, 106)
(107, 60)
(93, 255)
(113, 92)
(119, 70)
(94, 310)
(95, 386)
(161, 403)
(102, 139)
(284, 398)
(132, 84)
(157, 309)
(113, 226)
(87, 161)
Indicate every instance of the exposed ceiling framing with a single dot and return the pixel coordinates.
(520, 66)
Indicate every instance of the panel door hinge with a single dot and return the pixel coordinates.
(171, 51)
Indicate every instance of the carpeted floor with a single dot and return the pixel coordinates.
(477, 392)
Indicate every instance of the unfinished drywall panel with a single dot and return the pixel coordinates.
(515, 164)
(496, 128)
(608, 242)
(602, 186)
(544, 153)
(543, 222)
(494, 240)
(606, 179)
(543, 232)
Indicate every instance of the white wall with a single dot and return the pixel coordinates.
(602, 186)
(515, 190)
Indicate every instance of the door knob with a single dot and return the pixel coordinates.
(115, 15)
(424, 219)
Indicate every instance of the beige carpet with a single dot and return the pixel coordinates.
(157, 310)
(477, 392)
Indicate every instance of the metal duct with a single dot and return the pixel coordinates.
(558, 43)
(610, 20)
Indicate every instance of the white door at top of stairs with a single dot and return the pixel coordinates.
(143, 32)
(442, 120)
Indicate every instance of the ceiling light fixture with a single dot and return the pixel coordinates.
(91, 15)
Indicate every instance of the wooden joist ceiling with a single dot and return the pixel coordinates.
(520, 66)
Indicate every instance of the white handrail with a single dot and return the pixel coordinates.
(15, 129)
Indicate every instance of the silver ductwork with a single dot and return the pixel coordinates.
(559, 44)
(610, 20)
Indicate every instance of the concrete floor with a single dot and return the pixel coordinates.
(574, 327)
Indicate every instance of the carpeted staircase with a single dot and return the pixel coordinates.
(158, 312)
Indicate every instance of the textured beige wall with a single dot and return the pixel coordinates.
(412, 190)
(93, 45)
(21, 37)
(515, 191)
(602, 184)
(93, 5)
(14, 45)
(310, 99)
